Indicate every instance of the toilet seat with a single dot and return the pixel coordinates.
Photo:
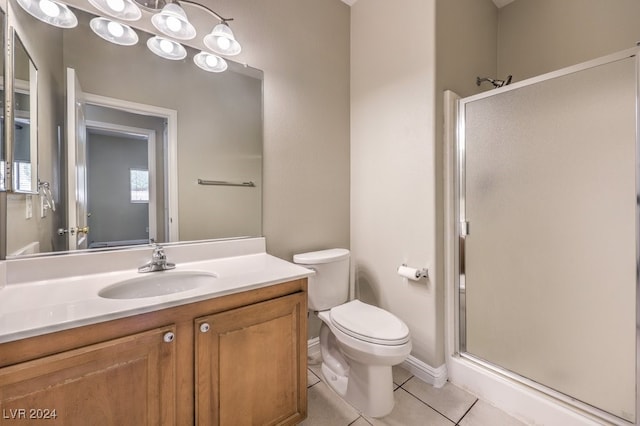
(369, 323)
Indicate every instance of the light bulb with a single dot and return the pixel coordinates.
(166, 46)
(115, 29)
(223, 43)
(174, 23)
(211, 61)
(49, 8)
(116, 5)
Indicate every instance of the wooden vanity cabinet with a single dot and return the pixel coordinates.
(249, 368)
(126, 381)
(233, 360)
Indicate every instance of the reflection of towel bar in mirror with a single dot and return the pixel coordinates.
(225, 183)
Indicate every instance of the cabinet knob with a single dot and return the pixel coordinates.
(204, 327)
(169, 336)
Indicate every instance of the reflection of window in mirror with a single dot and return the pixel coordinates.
(139, 180)
(22, 150)
(22, 173)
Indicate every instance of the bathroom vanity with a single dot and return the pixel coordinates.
(231, 353)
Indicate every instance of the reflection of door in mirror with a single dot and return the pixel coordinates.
(129, 158)
(112, 155)
(122, 193)
(125, 186)
(77, 228)
(25, 111)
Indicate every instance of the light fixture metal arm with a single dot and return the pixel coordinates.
(203, 7)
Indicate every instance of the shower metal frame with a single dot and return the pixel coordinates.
(461, 229)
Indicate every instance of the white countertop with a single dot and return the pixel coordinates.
(38, 307)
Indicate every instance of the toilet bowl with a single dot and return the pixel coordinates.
(357, 365)
(359, 343)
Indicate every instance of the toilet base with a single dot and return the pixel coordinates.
(337, 382)
(369, 389)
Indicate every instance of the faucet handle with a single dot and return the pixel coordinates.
(158, 253)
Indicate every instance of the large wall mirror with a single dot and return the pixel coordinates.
(131, 148)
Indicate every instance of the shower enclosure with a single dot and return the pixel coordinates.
(547, 234)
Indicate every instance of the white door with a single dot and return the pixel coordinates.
(76, 164)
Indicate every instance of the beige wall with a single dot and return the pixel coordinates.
(393, 167)
(303, 48)
(396, 167)
(539, 36)
(466, 37)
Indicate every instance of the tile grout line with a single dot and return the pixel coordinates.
(467, 412)
(414, 396)
(411, 394)
(398, 386)
(316, 376)
(359, 417)
(310, 386)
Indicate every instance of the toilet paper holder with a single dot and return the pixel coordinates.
(412, 273)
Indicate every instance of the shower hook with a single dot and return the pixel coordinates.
(496, 83)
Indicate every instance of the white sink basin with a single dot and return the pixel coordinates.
(157, 284)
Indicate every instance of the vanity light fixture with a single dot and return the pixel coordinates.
(173, 22)
(51, 12)
(126, 10)
(167, 48)
(210, 62)
(113, 31)
(222, 41)
(169, 18)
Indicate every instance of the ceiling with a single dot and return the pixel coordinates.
(499, 3)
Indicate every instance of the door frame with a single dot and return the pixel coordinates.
(150, 136)
(76, 137)
(170, 145)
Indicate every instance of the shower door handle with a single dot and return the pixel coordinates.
(464, 228)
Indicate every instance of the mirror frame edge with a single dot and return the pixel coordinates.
(6, 107)
(13, 37)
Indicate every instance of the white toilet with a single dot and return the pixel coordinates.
(359, 343)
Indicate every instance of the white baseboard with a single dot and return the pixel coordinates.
(437, 377)
(313, 348)
(313, 345)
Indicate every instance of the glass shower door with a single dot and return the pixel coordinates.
(548, 268)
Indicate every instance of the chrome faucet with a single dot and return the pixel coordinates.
(158, 261)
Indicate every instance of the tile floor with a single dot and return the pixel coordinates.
(417, 403)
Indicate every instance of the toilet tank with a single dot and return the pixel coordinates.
(329, 286)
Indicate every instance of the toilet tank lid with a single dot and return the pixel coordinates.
(322, 256)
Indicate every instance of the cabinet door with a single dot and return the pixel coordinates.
(251, 364)
(126, 381)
